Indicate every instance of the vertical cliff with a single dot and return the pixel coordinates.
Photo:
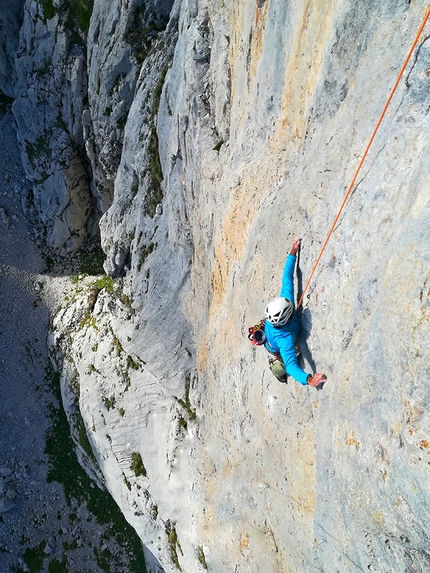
(202, 138)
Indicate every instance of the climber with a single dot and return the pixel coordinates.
(282, 328)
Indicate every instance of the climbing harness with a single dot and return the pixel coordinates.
(365, 154)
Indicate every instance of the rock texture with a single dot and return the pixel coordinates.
(214, 140)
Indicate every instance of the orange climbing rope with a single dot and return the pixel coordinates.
(365, 153)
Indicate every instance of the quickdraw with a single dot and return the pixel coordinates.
(256, 333)
(274, 358)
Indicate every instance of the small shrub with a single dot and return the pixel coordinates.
(48, 10)
(154, 194)
(74, 385)
(174, 544)
(137, 465)
(34, 556)
(49, 264)
(131, 363)
(80, 15)
(154, 512)
(82, 436)
(201, 557)
(145, 254)
(140, 33)
(5, 103)
(157, 92)
(185, 403)
(88, 321)
(126, 300)
(117, 346)
(105, 282)
(91, 258)
(41, 148)
(109, 402)
(56, 566)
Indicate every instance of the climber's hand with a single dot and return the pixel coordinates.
(295, 247)
(317, 379)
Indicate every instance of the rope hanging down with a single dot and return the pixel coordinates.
(365, 153)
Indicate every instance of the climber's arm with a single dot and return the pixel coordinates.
(288, 354)
(287, 290)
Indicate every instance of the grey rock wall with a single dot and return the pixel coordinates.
(213, 140)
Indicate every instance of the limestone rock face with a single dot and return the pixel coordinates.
(217, 132)
(76, 81)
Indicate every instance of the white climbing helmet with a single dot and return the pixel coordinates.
(279, 311)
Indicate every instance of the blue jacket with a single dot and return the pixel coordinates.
(282, 339)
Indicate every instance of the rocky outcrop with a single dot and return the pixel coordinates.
(214, 139)
(49, 94)
(10, 22)
(76, 82)
(119, 39)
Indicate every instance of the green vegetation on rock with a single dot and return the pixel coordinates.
(33, 557)
(137, 465)
(144, 255)
(88, 321)
(56, 566)
(63, 467)
(186, 404)
(109, 403)
(48, 9)
(201, 557)
(140, 33)
(156, 96)
(117, 346)
(132, 363)
(174, 545)
(41, 148)
(155, 194)
(105, 282)
(91, 258)
(80, 14)
(5, 103)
